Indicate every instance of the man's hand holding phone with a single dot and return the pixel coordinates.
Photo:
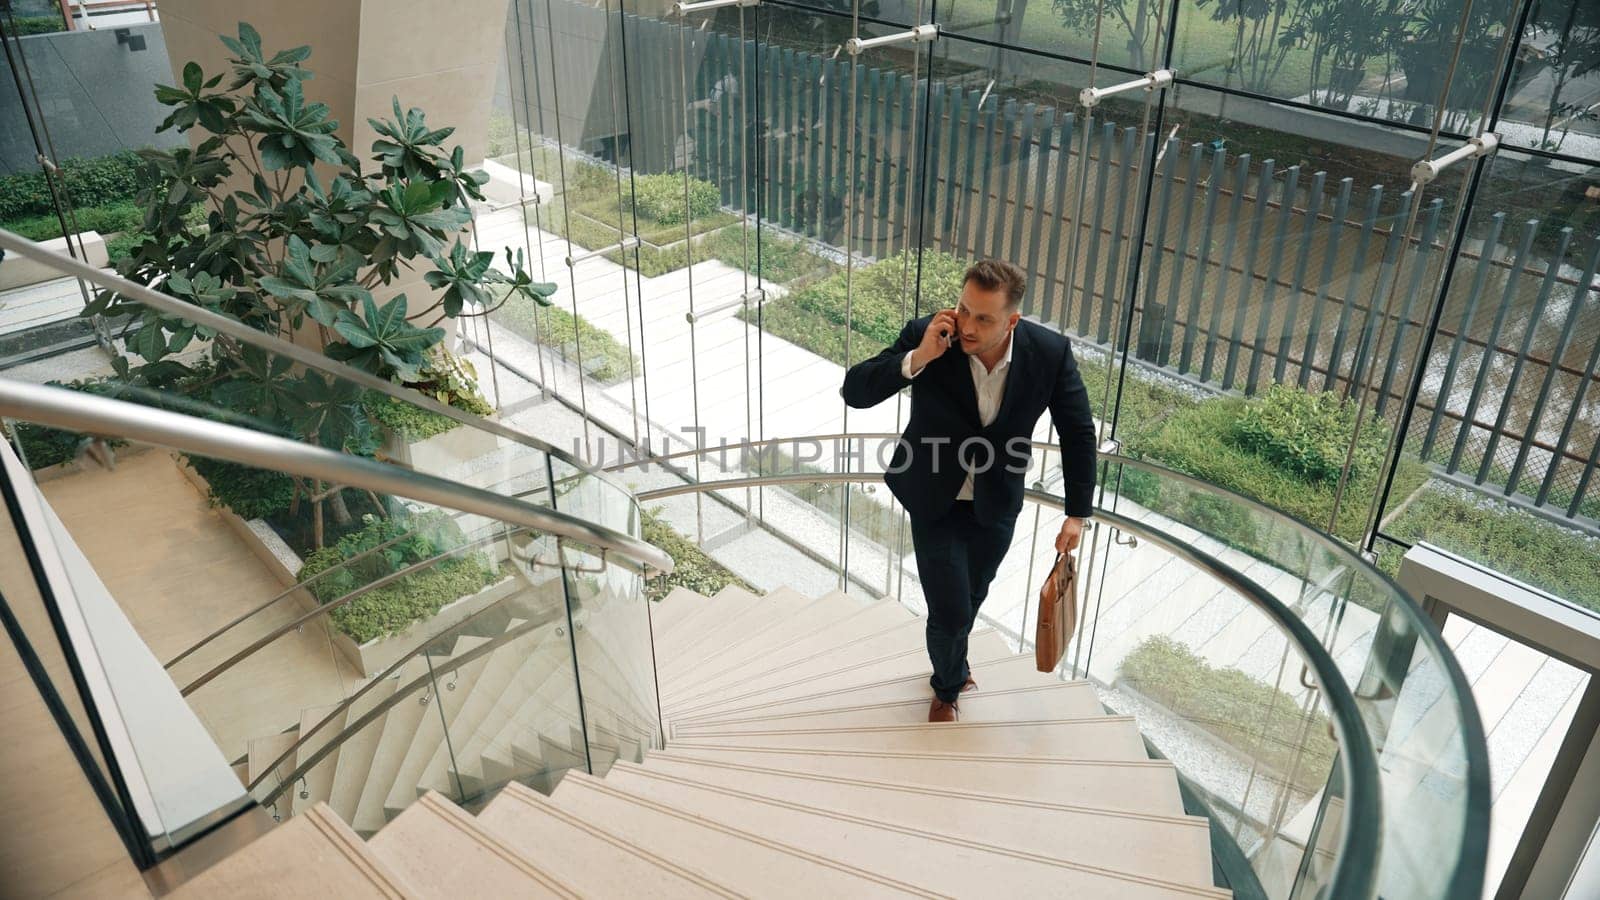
(940, 336)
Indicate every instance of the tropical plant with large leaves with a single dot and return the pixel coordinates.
(271, 220)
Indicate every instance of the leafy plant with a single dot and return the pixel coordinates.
(99, 181)
(300, 235)
(381, 340)
(1308, 433)
(449, 380)
(661, 198)
(410, 539)
(692, 568)
(251, 493)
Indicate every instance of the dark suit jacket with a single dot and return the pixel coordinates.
(925, 473)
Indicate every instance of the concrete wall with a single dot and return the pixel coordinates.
(439, 57)
(96, 96)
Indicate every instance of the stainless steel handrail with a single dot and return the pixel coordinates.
(67, 265)
(77, 411)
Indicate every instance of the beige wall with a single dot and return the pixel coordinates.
(441, 57)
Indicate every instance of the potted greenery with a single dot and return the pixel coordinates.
(303, 240)
(391, 620)
(424, 440)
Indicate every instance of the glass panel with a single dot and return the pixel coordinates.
(476, 697)
(1550, 102)
(1409, 690)
(1384, 61)
(614, 652)
(78, 102)
(1527, 700)
(1216, 687)
(1504, 424)
(1290, 273)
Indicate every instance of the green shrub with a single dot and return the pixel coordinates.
(101, 181)
(26, 25)
(660, 198)
(1255, 718)
(1198, 440)
(692, 568)
(447, 379)
(605, 360)
(1524, 546)
(123, 246)
(814, 317)
(42, 446)
(251, 493)
(777, 260)
(407, 420)
(1308, 433)
(390, 609)
(116, 218)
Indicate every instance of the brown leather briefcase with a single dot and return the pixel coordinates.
(1058, 613)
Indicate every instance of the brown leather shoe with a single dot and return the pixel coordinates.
(940, 711)
(969, 685)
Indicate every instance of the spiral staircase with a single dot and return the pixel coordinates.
(572, 738)
(798, 761)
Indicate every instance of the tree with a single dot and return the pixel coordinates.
(271, 221)
(1263, 36)
(1344, 36)
(1432, 30)
(1563, 42)
(1138, 19)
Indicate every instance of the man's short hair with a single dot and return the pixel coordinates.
(994, 274)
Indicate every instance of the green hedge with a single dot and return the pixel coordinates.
(661, 199)
(413, 423)
(26, 25)
(777, 260)
(101, 181)
(1309, 433)
(814, 317)
(391, 608)
(1234, 707)
(1200, 440)
(606, 360)
(1524, 546)
(115, 218)
(692, 568)
(250, 493)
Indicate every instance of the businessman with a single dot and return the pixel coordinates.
(980, 377)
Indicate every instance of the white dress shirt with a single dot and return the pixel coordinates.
(991, 388)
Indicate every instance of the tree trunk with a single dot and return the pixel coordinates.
(341, 513)
(316, 523)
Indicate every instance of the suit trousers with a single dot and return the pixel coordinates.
(957, 557)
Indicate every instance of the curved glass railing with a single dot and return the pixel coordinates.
(457, 640)
(1221, 685)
